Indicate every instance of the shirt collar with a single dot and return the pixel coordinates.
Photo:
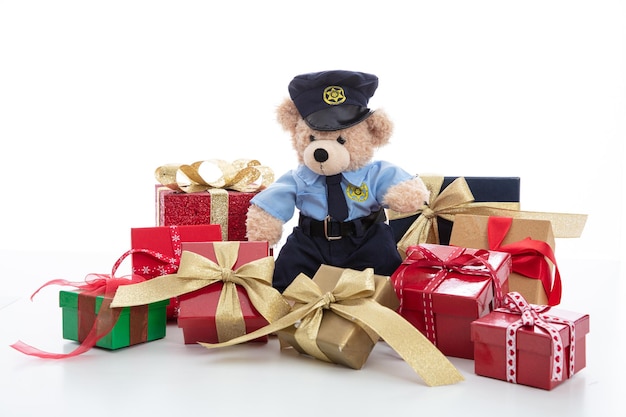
(353, 177)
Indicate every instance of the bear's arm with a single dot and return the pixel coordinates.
(279, 198)
(398, 190)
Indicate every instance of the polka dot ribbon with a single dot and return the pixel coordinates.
(460, 260)
(531, 316)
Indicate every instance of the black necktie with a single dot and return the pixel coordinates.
(337, 206)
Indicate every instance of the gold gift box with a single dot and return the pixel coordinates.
(343, 341)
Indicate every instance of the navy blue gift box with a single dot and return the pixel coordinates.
(484, 189)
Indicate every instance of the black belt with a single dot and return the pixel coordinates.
(333, 230)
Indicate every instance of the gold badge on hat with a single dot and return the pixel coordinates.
(334, 95)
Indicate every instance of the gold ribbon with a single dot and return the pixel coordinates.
(196, 271)
(352, 299)
(218, 213)
(457, 198)
(243, 175)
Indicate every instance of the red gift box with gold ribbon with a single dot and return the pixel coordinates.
(211, 191)
(226, 208)
(198, 309)
(442, 289)
(529, 344)
(224, 290)
(156, 250)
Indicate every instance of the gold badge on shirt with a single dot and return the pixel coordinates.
(358, 194)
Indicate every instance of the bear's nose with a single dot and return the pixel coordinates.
(320, 155)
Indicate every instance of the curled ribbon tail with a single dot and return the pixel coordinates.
(104, 322)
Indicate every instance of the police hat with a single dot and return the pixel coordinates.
(333, 100)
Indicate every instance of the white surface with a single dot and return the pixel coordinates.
(167, 377)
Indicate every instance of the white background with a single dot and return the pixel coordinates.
(95, 95)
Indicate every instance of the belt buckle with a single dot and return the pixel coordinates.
(326, 220)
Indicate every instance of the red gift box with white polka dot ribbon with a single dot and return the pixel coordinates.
(530, 344)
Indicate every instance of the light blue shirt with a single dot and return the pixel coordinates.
(305, 190)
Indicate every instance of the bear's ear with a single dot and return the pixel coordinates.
(288, 116)
(380, 127)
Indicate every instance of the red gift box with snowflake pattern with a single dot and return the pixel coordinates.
(156, 250)
(528, 344)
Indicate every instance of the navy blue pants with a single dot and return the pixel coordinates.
(302, 253)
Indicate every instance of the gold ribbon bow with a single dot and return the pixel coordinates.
(457, 198)
(197, 272)
(351, 299)
(243, 175)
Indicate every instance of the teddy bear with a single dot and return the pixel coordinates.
(341, 193)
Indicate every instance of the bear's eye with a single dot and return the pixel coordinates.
(312, 138)
(341, 140)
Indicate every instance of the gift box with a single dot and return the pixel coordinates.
(130, 325)
(504, 191)
(88, 316)
(531, 244)
(442, 289)
(224, 207)
(212, 306)
(527, 344)
(210, 191)
(342, 341)
(198, 309)
(156, 250)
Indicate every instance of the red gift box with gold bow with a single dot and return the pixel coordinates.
(529, 344)
(442, 289)
(211, 191)
(224, 290)
(198, 309)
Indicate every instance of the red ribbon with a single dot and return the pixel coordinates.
(94, 285)
(459, 260)
(528, 257)
(531, 316)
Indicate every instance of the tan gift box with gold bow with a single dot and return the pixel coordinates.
(342, 341)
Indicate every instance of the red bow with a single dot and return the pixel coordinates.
(460, 260)
(94, 285)
(528, 257)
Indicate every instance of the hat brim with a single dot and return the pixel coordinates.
(337, 118)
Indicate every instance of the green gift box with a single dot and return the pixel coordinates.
(134, 325)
